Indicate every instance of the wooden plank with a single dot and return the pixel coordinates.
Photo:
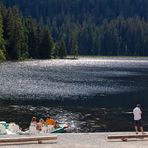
(27, 139)
(126, 136)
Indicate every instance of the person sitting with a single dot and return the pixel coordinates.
(33, 122)
(50, 121)
(40, 124)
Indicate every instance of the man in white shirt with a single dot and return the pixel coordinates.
(137, 118)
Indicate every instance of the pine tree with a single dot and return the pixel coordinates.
(33, 37)
(15, 33)
(46, 45)
(2, 55)
(55, 51)
(62, 49)
(2, 42)
(74, 50)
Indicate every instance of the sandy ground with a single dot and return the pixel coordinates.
(85, 140)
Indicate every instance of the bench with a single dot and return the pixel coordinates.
(125, 137)
(39, 139)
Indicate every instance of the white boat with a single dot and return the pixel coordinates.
(13, 129)
(9, 129)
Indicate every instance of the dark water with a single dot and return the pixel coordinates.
(91, 95)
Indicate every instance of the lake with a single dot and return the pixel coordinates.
(90, 94)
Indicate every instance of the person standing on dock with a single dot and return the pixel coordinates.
(138, 119)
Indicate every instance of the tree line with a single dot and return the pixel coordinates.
(22, 38)
(80, 10)
(45, 29)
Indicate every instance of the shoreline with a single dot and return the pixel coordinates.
(84, 58)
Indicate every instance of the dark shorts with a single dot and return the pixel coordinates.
(138, 123)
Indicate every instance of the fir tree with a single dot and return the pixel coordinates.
(15, 33)
(2, 55)
(33, 32)
(74, 50)
(46, 45)
(2, 42)
(55, 51)
(62, 49)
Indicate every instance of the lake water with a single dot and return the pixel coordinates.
(90, 94)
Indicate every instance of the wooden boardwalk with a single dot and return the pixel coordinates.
(85, 140)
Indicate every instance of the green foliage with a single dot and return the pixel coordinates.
(55, 51)
(81, 10)
(15, 35)
(46, 45)
(74, 51)
(2, 42)
(32, 32)
(91, 27)
(2, 55)
(62, 49)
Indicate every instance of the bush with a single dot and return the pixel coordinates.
(2, 55)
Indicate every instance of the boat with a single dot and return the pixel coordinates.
(14, 129)
(60, 129)
(8, 129)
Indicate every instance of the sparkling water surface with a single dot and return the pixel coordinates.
(89, 94)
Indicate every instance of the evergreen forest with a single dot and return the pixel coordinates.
(44, 29)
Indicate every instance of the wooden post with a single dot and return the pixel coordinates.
(40, 142)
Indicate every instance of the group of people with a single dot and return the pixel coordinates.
(39, 124)
(49, 121)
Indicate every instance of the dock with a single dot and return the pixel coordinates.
(84, 140)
